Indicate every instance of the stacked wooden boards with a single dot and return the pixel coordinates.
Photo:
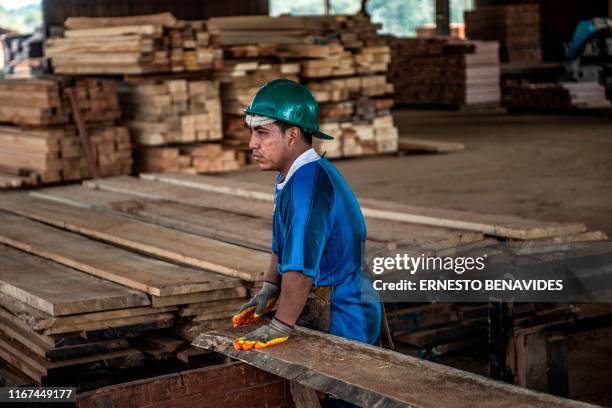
(165, 110)
(42, 145)
(83, 297)
(172, 120)
(440, 71)
(516, 27)
(132, 45)
(340, 59)
(192, 158)
(198, 205)
(559, 96)
(42, 101)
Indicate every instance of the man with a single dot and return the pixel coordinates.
(318, 229)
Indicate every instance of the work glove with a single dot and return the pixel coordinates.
(265, 336)
(258, 306)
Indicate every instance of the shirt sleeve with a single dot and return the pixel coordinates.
(307, 225)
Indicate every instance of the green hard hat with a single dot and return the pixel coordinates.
(289, 102)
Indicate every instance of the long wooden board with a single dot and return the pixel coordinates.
(58, 290)
(504, 226)
(189, 249)
(378, 230)
(149, 275)
(370, 376)
(39, 320)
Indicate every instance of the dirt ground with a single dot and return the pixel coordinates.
(549, 167)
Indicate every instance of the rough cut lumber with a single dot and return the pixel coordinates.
(516, 27)
(141, 44)
(91, 22)
(58, 290)
(187, 298)
(441, 71)
(227, 259)
(39, 320)
(172, 110)
(231, 385)
(371, 376)
(149, 275)
(504, 226)
(53, 154)
(43, 101)
(563, 95)
(247, 223)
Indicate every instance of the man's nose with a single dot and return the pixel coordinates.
(254, 142)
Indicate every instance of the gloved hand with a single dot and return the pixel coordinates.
(269, 335)
(259, 305)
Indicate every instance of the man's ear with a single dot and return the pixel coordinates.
(293, 135)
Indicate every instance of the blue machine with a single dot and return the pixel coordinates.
(589, 54)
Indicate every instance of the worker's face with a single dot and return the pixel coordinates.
(269, 146)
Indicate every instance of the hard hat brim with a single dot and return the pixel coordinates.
(316, 133)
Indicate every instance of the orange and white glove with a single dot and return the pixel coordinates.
(271, 334)
(263, 302)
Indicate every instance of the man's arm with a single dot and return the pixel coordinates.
(272, 274)
(294, 293)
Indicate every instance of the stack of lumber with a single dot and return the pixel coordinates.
(562, 95)
(51, 155)
(180, 112)
(195, 158)
(161, 111)
(440, 71)
(85, 291)
(42, 101)
(132, 45)
(42, 144)
(341, 59)
(516, 27)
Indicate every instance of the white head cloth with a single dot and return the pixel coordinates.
(258, 120)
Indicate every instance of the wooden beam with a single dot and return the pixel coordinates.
(371, 376)
(59, 291)
(231, 385)
(149, 275)
(504, 226)
(226, 259)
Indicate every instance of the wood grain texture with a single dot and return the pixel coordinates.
(228, 385)
(504, 226)
(149, 275)
(372, 376)
(193, 250)
(256, 215)
(58, 290)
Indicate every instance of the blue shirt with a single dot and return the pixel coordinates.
(318, 229)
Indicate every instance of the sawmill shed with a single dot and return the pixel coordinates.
(136, 220)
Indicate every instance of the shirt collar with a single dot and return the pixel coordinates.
(307, 157)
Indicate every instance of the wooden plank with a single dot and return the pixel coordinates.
(371, 376)
(505, 226)
(378, 230)
(39, 320)
(208, 296)
(58, 290)
(165, 19)
(111, 323)
(231, 385)
(193, 250)
(149, 275)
